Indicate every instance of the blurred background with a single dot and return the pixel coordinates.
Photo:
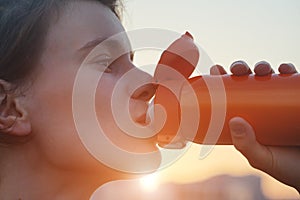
(228, 31)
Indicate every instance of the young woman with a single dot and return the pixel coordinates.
(43, 44)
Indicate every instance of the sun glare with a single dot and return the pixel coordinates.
(149, 183)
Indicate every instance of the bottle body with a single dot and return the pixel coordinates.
(271, 104)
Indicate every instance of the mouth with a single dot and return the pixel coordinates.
(142, 112)
(142, 119)
(142, 115)
(148, 114)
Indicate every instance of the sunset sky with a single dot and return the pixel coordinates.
(227, 30)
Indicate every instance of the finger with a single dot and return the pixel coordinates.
(240, 68)
(217, 70)
(263, 68)
(287, 68)
(244, 140)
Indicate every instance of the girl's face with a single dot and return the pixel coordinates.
(71, 37)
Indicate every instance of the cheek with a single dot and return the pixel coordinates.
(49, 105)
(57, 138)
(105, 115)
(103, 102)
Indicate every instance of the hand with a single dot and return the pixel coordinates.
(282, 163)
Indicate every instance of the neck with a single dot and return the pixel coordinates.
(24, 176)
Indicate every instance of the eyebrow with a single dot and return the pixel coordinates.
(92, 44)
(112, 43)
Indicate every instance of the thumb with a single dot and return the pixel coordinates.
(244, 140)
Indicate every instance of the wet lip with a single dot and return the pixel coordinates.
(146, 117)
(141, 119)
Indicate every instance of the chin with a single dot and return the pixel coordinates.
(137, 169)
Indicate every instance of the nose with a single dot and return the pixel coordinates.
(147, 87)
(145, 92)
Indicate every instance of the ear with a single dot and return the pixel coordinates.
(14, 119)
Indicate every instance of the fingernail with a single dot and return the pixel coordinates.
(262, 68)
(238, 130)
(188, 34)
(239, 68)
(217, 70)
(287, 68)
(239, 62)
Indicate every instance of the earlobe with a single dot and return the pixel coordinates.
(14, 118)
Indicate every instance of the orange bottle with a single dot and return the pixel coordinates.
(199, 109)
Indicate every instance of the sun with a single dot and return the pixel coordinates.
(149, 183)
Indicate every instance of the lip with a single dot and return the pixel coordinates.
(141, 119)
(148, 114)
(138, 111)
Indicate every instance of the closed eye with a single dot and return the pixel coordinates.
(102, 62)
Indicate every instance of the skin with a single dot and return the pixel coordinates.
(282, 163)
(54, 162)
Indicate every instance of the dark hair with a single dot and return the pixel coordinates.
(23, 28)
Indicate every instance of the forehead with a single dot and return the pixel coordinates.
(80, 22)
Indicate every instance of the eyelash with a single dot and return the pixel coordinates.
(107, 68)
(105, 62)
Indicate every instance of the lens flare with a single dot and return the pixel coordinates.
(149, 183)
